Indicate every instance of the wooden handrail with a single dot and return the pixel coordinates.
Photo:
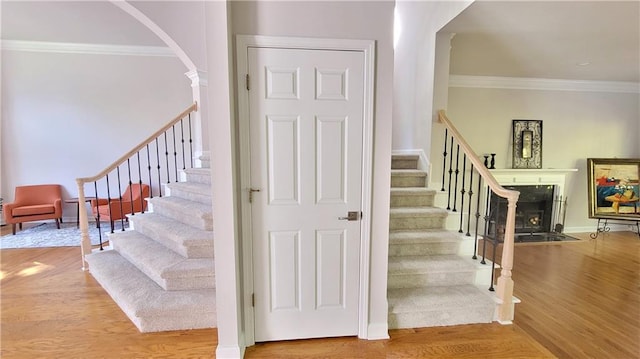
(142, 144)
(85, 241)
(504, 290)
(477, 162)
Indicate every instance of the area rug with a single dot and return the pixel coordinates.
(47, 235)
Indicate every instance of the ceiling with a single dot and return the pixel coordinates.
(538, 39)
(574, 40)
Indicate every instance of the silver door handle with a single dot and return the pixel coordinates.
(351, 216)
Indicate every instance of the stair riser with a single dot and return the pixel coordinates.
(404, 164)
(415, 223)
(189, 283)
(419, 249)
(429, 279)
(411, 201)
(184, 321)
(191, 196)
(204, 178)
(408, 181)
(183, 215)
(438, 318)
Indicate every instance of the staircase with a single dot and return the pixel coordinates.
(161, 271)
(429, 282)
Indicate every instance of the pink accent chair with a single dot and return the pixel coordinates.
(34, 203)
(133, 201)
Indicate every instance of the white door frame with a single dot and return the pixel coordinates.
(367, 47)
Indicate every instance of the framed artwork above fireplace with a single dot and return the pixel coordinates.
(527, 144)
(614, 188)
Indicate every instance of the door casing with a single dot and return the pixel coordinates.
(367, 47)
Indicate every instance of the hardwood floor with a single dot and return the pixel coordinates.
(580, 300)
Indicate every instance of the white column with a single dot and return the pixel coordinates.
(199, 87)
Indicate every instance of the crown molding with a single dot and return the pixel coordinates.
(524, 83)
(87, 49)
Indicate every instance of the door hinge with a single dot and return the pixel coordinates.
(253, 299)
(247, 81)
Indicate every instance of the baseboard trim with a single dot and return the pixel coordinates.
(230, 352)
(378, 331)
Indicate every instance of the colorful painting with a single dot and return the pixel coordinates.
(614, 188)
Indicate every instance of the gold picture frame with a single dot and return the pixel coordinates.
(614, 188)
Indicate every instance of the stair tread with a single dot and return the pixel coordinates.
(158, 258)
(462, 297)
(140, 296)
(429, 264)
(190, 236)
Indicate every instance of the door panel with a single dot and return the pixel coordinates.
(306, 121)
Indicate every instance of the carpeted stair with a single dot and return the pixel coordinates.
(429, 283)
(161, 271)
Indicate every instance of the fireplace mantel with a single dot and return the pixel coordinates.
(540, 176)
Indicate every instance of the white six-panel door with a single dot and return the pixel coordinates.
(306, 131)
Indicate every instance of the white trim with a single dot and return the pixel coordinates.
(86, 49)
(198, 78)
(243, 42)
(523, 83)
(234, 352)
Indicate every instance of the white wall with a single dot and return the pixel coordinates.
(576, 126)
(368, 20)
(414, 69)
(70, 115)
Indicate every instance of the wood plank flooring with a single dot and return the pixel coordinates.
(580, 300)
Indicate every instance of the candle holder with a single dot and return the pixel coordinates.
(486, 161)
(493, 161)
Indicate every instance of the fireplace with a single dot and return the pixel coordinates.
(534, 212)
(541, 205)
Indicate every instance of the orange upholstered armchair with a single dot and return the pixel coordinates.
(133, 201)
(34, 203)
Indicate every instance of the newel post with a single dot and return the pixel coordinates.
(504, 289)
(85, 241)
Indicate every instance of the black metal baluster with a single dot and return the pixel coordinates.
(468, 234)
(462, 191)
(140, 184)
(190, 141)
(175, 152)
(149, 168)
(487, 218)
(95, 189)
(184, 164)
(475, 240)
(109, 201)
(457, 171)
(450, 175)
(444, 157)
(121, 206)
(130, 191)
(158, 161)
(166, 155)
